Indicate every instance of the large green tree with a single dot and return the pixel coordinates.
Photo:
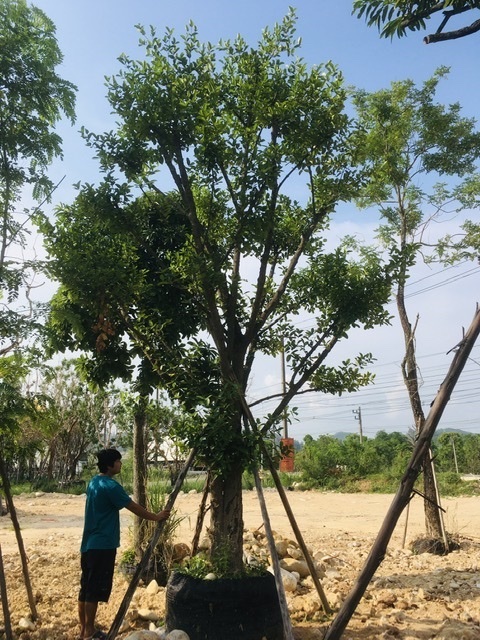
(204, 279)
(411, 142)
(396, 17)
(32, 99)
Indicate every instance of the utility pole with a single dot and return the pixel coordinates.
(358, 416)
(284, 391)
(452, 440)
(287, 462)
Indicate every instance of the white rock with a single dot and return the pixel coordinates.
(282, 548)
(299, 566)
(160, 631)
(26, 624)
(148, 614)
(152, 588)
(177, 634)
(210, 576)
(143, 634)
(289, 580)
(204, 544)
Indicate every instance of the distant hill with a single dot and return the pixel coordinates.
(439, 432)
(341, 435)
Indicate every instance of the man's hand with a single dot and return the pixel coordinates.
(163, 515)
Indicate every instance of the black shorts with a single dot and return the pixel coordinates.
(97, 575)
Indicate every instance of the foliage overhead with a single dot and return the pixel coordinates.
(396, 17)
(32, 100)
(232, 126)
(410, 140)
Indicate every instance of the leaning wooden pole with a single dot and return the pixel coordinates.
(18, 535)
(202, 510)
(293, 523)
(277, 572)
(402, 497)
(4, 599)
(127, 598)
(288, 510)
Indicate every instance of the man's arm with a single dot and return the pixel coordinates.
(141, 512)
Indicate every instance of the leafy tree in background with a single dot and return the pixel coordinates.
(449, 452)
(410, 141)
(67, 420)
(320, 459)
(396, 17)
(32, 100)
(202, 279)
(471, 452)
(326, 460)
(75, 420)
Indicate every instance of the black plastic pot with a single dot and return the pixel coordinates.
(224, 609)
(156, 570)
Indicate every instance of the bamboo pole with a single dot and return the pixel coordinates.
(277, 572)
(402, 497)
(4, 599)
(127, 598)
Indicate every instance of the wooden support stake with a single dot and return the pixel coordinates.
(202, 510)
(293, 523)
(127, 598)
(402, 497)
(277, 572)
(18, 535)
(250, 420)
(4, 599)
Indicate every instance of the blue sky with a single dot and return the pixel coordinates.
(93, 34)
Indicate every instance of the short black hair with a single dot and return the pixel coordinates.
(106, 458)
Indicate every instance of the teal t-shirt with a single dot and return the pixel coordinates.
(105, 498)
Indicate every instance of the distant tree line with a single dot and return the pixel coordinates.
(325, 459)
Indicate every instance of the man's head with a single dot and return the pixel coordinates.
(107, 458)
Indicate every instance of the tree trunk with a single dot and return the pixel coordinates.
(139, 471)
(433, 523)
(226, 528)
(18, 535)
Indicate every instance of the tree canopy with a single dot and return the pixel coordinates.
(32, 100)
(396, 17)
(199, 255)
(33, 97)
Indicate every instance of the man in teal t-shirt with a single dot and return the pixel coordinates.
(101, 537)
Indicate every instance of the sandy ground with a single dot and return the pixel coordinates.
(411, 596)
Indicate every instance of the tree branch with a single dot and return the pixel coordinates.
(453, 35)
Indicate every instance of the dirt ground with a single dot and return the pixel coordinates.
(412, 596)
